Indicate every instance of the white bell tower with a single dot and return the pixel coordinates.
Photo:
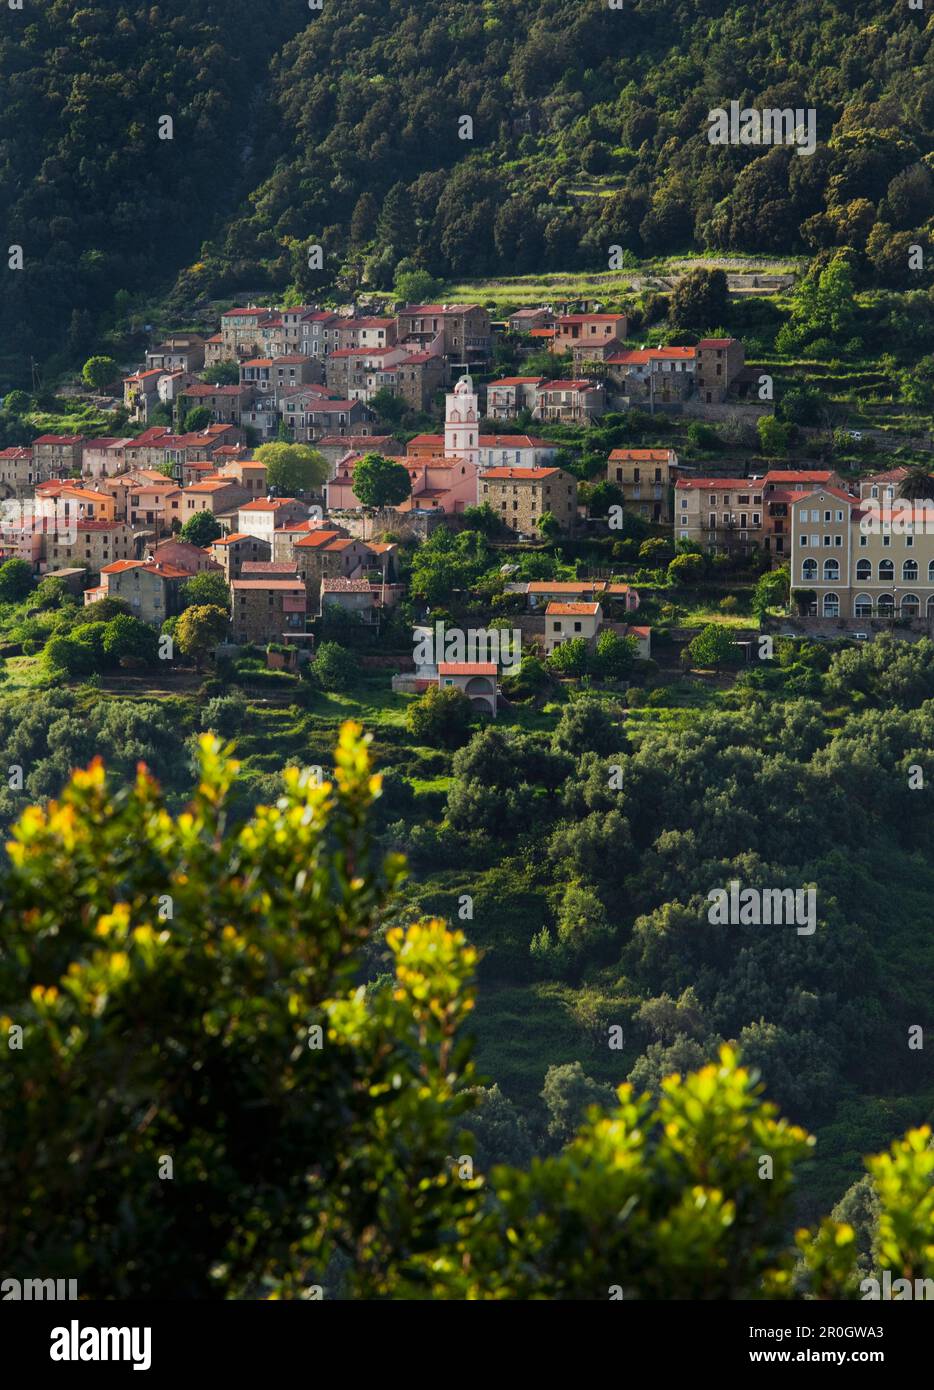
(461, 423)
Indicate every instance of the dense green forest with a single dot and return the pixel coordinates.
(341, 127)
(586, 845)
(200, 1100)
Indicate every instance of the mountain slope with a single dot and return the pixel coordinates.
(342, 128)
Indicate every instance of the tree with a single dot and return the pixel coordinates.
(549, 525)
(52, 592)
(208, 587)
(363, 220)
(292, 469)
(615, 655)
(388, 406)
(66, 658)
(198, 418)
(686, 568)
(99, 372)
(17, 402)
(199, 630)
(700, 300)
(653, 551)
(568, 1092)
(335, 667)
(192, 976)
(201, 529)
(415, 287)
(570, 658)
(16, 580)
(589, 726)
(917, 485)
(125, 636)
(712, 646)
(771, 591)
(381, 482)
(602, 496)
(222, 374)
(441, 717)
(774, 436)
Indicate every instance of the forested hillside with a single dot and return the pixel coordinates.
(341, 127)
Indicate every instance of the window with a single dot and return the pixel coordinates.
(809, 570)
(886, 571)
(802, 540)
(886, 605)
(831, 606)
(911, 606)
(831, 569)
(863, 571)
(862, 608)
(910, 571)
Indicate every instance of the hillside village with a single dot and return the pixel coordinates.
(134, 519)
(467, 666)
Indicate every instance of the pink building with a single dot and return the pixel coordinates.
(438, 484)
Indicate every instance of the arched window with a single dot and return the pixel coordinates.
(931, 571)
(886, 571)
(886, 605)
(863, 570)
(809, 570)
(831, 569)
(862, 607)
(911, 605)
(930, 607)
(831, 606)
(910, 570)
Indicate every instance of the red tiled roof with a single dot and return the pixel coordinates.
(284, 585)
(567, 586)
(635, 357)
(314, 539)
(467, 668)
(792, 475)
(571, 386)
(720, 484)
(573, 609)
(524, 475)
(640, 455)
(590, 318)
(263, 505)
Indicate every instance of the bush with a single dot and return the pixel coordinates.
(335, 667)
(441, 717)
(225, 714)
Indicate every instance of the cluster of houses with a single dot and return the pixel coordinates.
(105, 514)
(857, 552)
(317, 373)
(311, 370)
